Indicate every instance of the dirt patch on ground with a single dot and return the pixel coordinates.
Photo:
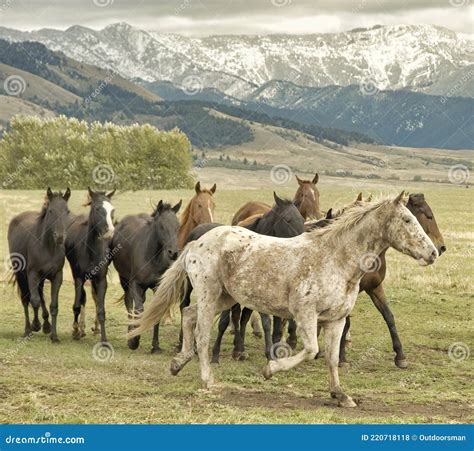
(374, 408)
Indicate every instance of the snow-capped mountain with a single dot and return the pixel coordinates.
(418, 57)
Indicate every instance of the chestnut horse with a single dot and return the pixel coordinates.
(200, 210)
(306, 200)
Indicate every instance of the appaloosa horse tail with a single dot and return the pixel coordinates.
(171, 289)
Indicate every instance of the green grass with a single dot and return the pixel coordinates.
(41, 382)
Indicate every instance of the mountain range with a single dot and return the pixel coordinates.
(397, 85)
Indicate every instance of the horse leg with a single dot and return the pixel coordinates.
(277, 329)
(236, 314)
(55, 286)
(332, 338)
(34, 282)
(99, 288)
(184, 303)
(292, 339)
(44, 311)
(28, 330)
(256, 330)
(189, 319)
(155, 342)
(22, 281)
(245, 316)
(342, 345)
(308, 324)
(135, 306)
(76, 308)
(267, 332)
(224, 321)
(380, 301)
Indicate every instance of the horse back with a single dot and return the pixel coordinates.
(250, 209)
(21, 229)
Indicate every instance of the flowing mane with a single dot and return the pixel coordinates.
(349, 219)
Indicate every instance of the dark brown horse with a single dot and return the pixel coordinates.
(306, 200)
(200, 210)
(87, 250)
(36, 243)
(147, 245)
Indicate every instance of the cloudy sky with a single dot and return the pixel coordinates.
(205, 17)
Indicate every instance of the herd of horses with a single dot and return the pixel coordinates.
(289, 262)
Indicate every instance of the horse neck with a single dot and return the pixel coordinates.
(365, 240)
(185, 230)
(95, 245)
(45, 231)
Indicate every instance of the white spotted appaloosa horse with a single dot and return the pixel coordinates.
(313, 278)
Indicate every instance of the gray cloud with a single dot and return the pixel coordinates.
(204, 17)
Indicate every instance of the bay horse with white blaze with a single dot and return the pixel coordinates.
(87, 250)
(36, 243)
(313, 278)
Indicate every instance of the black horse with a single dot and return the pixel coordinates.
(147, 246)
(284, 221)
(36, 243)
(88, 253)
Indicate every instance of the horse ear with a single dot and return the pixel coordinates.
(109, 195)
(329, 214)
(159, 207)
(401, 198)
(67, 194)
(197, 187)
(359, 197)
(300, 182)
(316, 178)
(278, 201)
(49, 193)
(91, 193)
(177, 206)
(369, 199)
(213, 189)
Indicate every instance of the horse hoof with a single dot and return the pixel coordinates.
(292, 343)
(27, 333)
(133, 343)
(344, 364)
(156, 350)
(76, 334)
(46, 327)
(95, 330)
(236, 355)
(215, 359)
(35, 326)
(267, 373)
(347, 402)
(402, 363)
(55, 340)
(175, 367)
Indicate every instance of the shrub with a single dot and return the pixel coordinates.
(60, 152)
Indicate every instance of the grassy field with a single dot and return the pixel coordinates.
(67, 383)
